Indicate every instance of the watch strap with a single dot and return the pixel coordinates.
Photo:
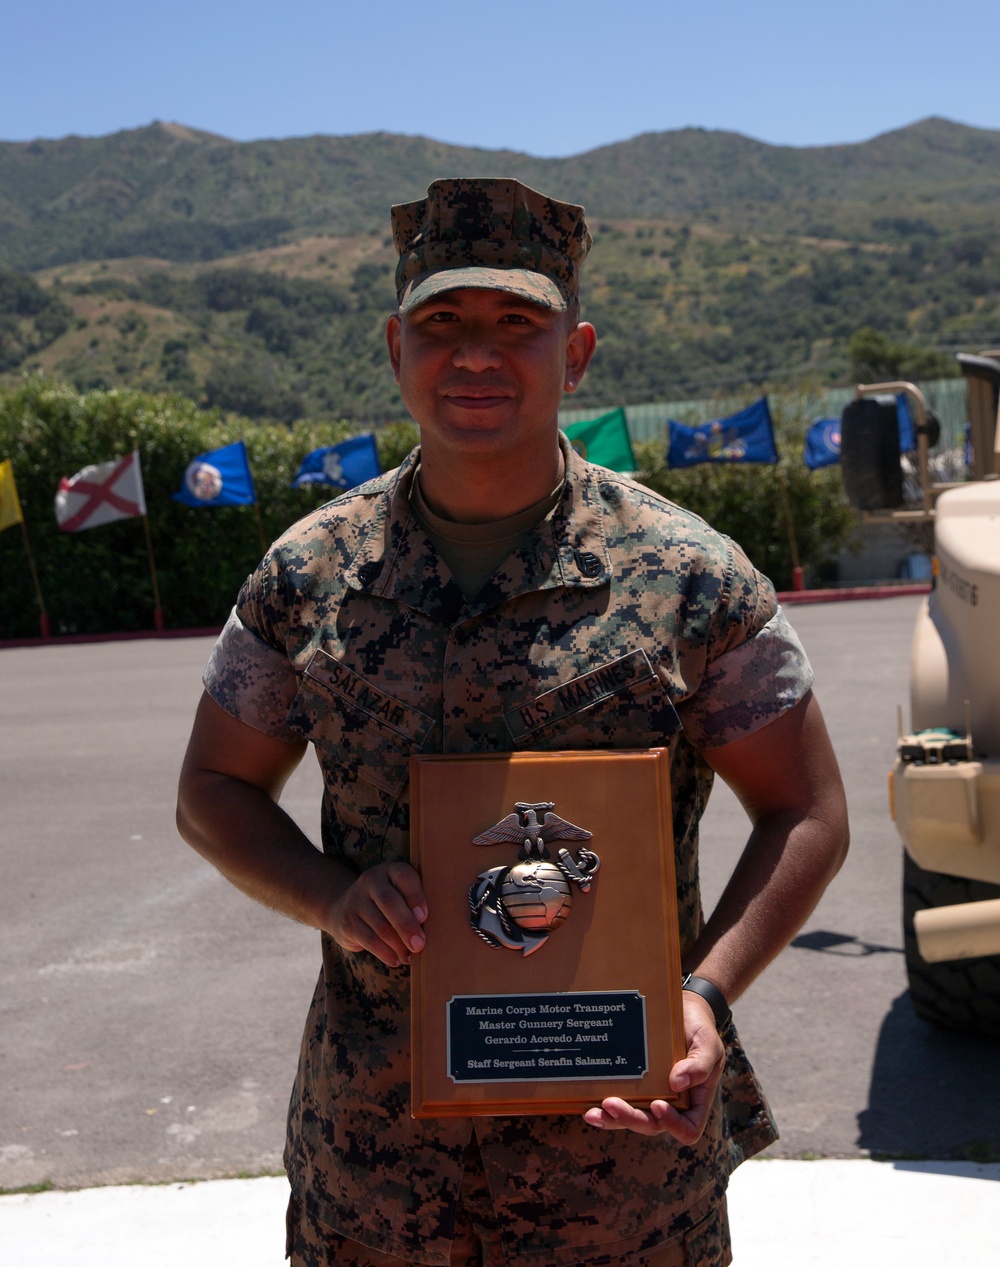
(713, 996)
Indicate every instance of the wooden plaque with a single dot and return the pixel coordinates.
(594, 1007)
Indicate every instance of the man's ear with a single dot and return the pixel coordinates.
(580, 346)
(392, 329)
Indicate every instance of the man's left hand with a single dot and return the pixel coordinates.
(698, 1073)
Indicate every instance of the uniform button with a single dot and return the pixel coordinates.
(368, 573)
(589, 564)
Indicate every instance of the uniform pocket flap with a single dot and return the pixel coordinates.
(627, 681)
(358, 724)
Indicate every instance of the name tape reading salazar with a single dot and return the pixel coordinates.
(535, 1037)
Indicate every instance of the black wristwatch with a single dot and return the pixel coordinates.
(714, 997)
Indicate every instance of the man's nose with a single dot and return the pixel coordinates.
(477, 351)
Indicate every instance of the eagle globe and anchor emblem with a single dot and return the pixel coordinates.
(517, 907)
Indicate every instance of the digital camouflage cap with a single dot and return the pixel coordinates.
(489, 234)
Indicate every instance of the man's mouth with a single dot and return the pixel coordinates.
(477, 393)
(477, 402)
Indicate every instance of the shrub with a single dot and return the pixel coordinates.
(98, 580)
(747, 502)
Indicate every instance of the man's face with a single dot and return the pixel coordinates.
(484, 371)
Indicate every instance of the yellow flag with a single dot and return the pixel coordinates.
(10, 506)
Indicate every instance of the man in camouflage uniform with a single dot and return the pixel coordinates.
(494, 593)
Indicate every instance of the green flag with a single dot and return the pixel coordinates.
(604, 440)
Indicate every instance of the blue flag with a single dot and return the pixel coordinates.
(344, 465)
(904, 419)
(822, 443)
(219, 478)
(747, 436)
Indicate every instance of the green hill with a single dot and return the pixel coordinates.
(256, 276)
(181, 194)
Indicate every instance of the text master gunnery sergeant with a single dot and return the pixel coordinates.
(430, 610)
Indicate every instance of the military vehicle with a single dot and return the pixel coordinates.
(945, 783)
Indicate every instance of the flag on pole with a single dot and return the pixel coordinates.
(219, 478)
(746, 436)
(822, 443)
(904, 420)
(100, 494)
(10, 505)
(344, 465)
(604, 441)
(11, 514)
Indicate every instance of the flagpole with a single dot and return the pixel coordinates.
(43, 619)
(157, 609)
(798, 576)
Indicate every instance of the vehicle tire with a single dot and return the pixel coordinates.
(962, 994)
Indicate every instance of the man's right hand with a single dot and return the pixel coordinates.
(228, 810)
(381, 912)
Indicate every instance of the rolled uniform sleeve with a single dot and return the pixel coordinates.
(251, 680)
(748, 686)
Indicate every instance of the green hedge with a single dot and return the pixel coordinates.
(748, 501)
(97, 581)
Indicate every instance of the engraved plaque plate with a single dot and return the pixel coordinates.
(550, 1037)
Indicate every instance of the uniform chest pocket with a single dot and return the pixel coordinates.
(621, 704)
(362, 728)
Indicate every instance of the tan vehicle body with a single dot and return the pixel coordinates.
(945, 789)
(948, 814)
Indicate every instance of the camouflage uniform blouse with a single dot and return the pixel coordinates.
(623, 621)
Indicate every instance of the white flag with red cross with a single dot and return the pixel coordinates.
(100, 494)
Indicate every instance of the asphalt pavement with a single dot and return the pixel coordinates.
(150, 1016)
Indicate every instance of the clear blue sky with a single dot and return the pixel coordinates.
(549, 78)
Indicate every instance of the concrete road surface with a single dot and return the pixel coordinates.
(782, 1214)
(150, 1015)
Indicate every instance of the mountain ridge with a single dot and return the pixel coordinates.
(256, 276)
(172, 190)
